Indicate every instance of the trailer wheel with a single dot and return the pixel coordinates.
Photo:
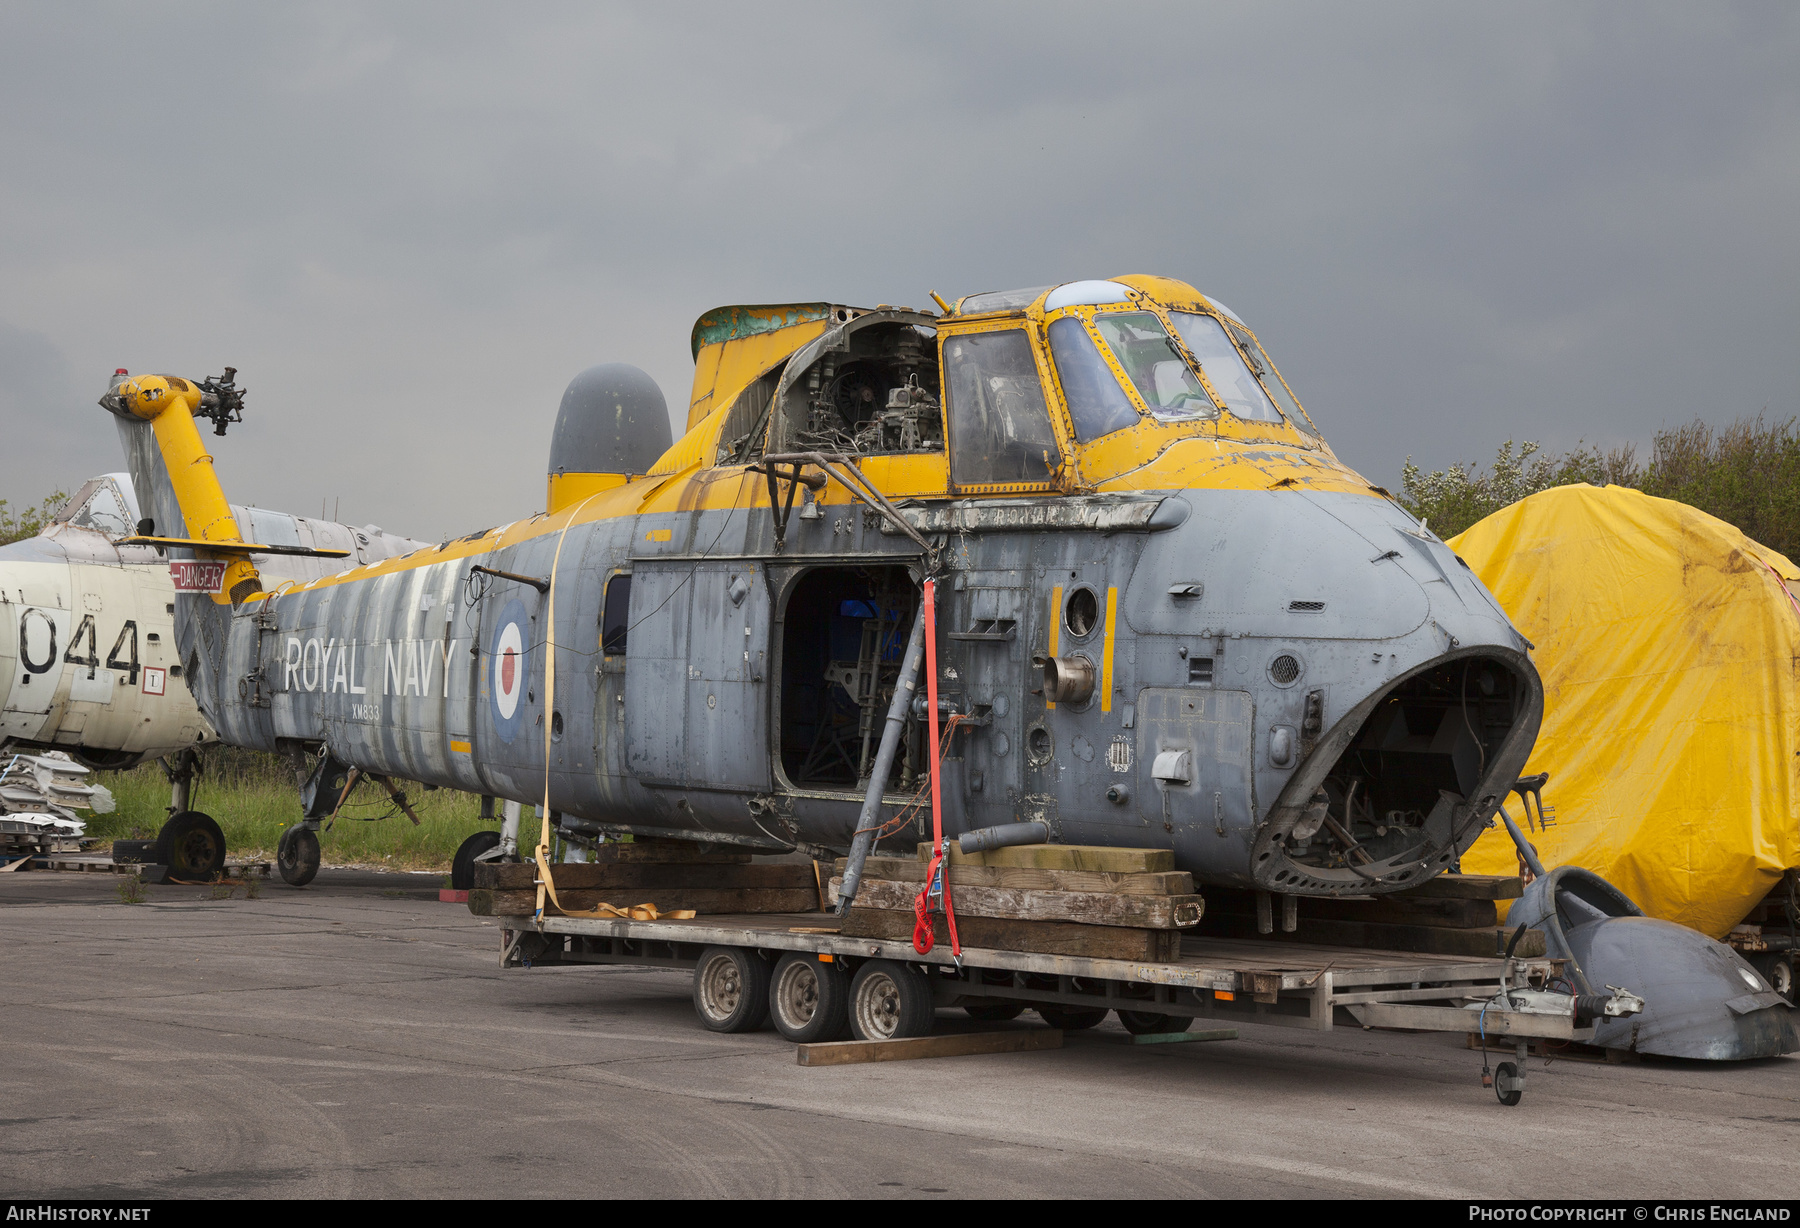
(809, 1000)
(1509, 1086)
(1147, 1023)
(994, 1012)
(1070, 1018)
(462, 866)
(889, 1001)
(192, 846)
(297, 856)
(731, 989)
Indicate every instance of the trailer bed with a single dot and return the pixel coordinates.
(1234, 980)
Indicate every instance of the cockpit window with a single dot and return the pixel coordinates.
(999, 426)
(1165, 381)
(1097, 405)
(1225, 368)
(97, 506)
(1271, 378)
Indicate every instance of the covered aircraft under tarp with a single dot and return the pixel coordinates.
(1668, 643)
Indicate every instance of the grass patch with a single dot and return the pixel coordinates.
(253, 798)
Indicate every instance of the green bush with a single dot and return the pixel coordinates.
(30, 521)
(1746, 473)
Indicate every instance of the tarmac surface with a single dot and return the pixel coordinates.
(356, 1039)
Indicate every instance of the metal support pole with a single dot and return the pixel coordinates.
(870, 818)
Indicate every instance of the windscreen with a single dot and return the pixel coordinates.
(1162, 377)
(1097, 405)
(1225, 368)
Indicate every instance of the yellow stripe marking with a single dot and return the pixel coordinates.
(1055, 629)
(461, 748)
(1112, 608)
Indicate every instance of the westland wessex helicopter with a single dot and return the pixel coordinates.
(88, 664)
(1166, 615)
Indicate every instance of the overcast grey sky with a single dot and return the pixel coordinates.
(409, 225)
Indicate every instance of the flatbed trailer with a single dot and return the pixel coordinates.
(1218, 980)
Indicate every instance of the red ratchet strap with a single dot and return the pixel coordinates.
(937, 875)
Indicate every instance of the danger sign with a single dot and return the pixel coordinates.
(197, 575)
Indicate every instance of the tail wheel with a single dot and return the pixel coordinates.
(462, 866)
(809, 1000)
(889, 1001)
(994, 1012)
(297, 856)
(192, 846)
(1071, 1018)
(1146, 1023)
(731, 989)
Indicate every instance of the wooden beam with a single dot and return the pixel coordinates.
(1488, 941)
(1468, 887)
(994, 933)
(1064, 857)
(1029, 878)
(1455, 913)
(579, 876)
(518, 902)
(1152, 912)
(961, 1044)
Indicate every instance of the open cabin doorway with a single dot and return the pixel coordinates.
(844, 631)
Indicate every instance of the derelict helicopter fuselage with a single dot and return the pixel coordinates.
(1166, 614)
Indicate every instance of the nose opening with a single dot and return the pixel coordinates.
(1416, 772)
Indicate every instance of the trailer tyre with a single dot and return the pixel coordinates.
(297, 856)
(1071, 1018)
(462, 866)
(192, 846)
(808, 1000)
(731, 989)
(1147, 1023)
(889, 1001)
(994, 1012)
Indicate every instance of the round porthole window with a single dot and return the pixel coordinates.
(1081, 612)
(1038, 745)
(1284, 670)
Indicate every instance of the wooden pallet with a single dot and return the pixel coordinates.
(90, 863)
(1453, 914)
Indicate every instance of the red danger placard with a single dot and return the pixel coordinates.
(197, 575)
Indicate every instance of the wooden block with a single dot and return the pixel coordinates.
(646, 876)
(481, 901)
(965, 874)
(1468, 887)
(1487, 942)
(962, 1044)
(994, 933)
(1064, 857)
(1152, 912)
(1454, 913)
(703, 900)
(1182, 1038)
(686, 851)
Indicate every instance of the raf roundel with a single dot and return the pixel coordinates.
(507, 669)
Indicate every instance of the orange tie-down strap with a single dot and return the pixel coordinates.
(634, 912)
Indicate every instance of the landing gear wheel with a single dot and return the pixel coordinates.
(1147, 1023)
(1781, 978)
(1508, 1085)
(192, 846)
(994, 1012)
(889, 1001)
(731, 989)
(1070, 1018)
(297, 856)
(808, 1000)
(462, 866)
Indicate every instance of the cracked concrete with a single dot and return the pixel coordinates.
(342, 1041)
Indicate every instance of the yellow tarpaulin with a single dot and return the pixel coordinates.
(1668, 644)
